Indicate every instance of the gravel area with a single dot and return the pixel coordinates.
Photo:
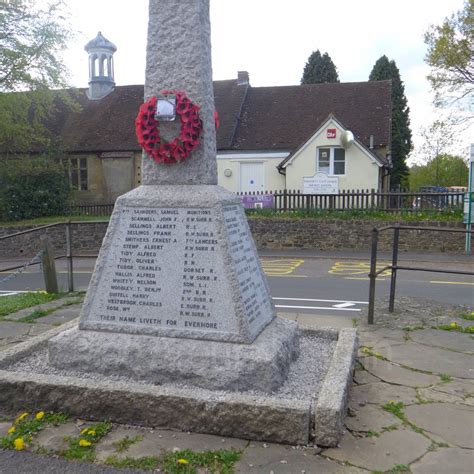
(304, 379)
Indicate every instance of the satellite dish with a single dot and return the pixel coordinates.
(347, 139)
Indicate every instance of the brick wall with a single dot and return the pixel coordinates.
(268, 233)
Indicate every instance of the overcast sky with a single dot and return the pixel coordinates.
(272, 39)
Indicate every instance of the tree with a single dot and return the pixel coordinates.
(443, 170)
(31, 39)
(400, 144)
(451, 56)
(319, 69)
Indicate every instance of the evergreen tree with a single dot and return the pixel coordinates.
(319, 69)
(401, 143)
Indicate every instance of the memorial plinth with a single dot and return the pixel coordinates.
(178, 293)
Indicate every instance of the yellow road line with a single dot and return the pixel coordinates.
(451, 282)
(362, 278)
(285, 276)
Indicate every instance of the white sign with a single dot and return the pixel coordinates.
(320, 183)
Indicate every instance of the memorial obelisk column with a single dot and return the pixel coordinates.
(178, 292)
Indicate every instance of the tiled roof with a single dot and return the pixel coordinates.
(251, 118)
(282, 118)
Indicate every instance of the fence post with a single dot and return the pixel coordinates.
(70, 270)
(393, 278)
(49, 267)
(285, 200)
(372, 275)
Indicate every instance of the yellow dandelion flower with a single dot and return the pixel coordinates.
(91, 432)
(182, 461)
(453, 325)
(19, 444)
(22, 417)
(39, 415)
(84, 430)
(84, 443)
(12, 430)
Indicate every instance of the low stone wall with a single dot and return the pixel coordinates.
(268, 233)
(86, 237)
(352, 235)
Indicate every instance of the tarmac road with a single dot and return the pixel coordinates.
(309, 282)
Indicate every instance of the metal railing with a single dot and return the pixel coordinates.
(69, 246)
(394, 267)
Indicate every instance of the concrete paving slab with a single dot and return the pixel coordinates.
(432, 359)
(4, 427)
(289, 316)
(432, 395)
(380, 453)
(454, 423)
(380, 393)
(395, 374)
(382, 333)
(53, 437)
(62, 316)
(325, 321)
(445, 460)
(462, 388)
(156, 442)
(45, 306)
(10, 329)
(362, 377)
(447, 339)
(371, 418)
(38, 328)
(277, 459)
(107, 446)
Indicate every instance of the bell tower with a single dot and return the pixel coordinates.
(101, 67)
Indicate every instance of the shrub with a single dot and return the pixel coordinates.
(32, 188)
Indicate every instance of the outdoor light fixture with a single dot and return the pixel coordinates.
(165, 107)
(227, 173)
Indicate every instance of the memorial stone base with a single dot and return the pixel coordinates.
(178, 294)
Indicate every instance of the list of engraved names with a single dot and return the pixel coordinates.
(163, 271)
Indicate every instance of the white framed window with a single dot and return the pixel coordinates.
(331, 161)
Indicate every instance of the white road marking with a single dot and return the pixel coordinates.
(322, 301)
(343, 305)
(328, 308)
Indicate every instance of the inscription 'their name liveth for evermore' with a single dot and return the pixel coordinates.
(166, 271)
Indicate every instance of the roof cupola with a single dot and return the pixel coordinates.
(101, 67)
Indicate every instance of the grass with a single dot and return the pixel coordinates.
(467, 316)
(51, 220)
(182, 462)
(148, 463)
(349, 214)
(13, 303)
(123, 444)
(455, 327)
(26, 426)
(188, 462)
(396, 409)
(445, 377)
(82, 447)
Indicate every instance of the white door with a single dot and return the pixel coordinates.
(251, 177)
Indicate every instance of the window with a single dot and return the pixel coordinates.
(76, 169)
(331, 161)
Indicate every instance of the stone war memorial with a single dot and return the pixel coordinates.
(178, 328)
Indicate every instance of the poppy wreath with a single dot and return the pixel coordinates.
(148, 133)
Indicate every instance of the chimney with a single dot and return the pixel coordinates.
(243, 78)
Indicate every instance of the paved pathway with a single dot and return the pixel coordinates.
(411, 406)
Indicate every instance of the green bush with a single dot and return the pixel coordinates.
(32, 188)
